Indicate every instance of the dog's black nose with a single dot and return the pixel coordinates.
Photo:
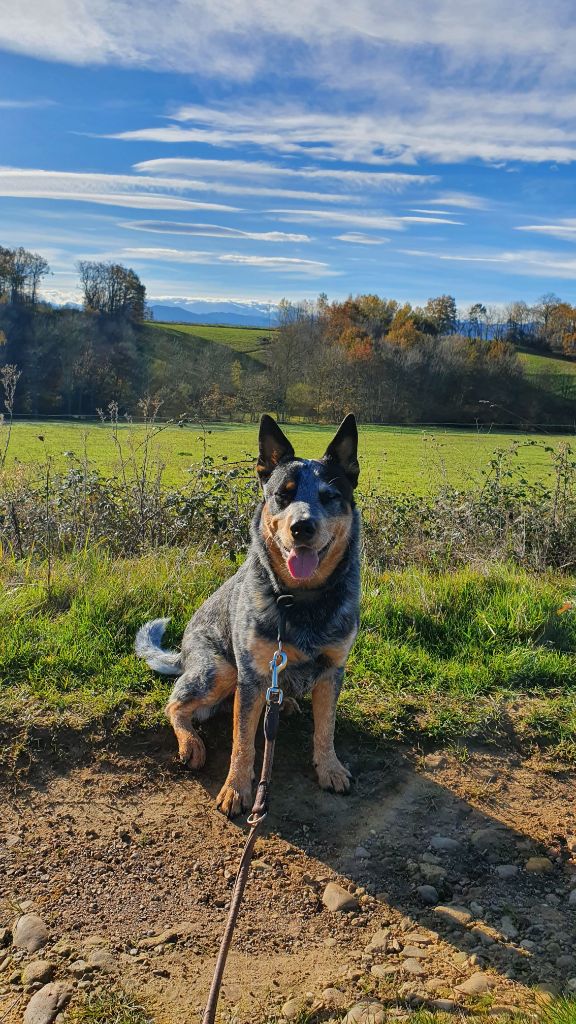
(303, 529)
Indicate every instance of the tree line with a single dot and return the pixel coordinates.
(389, 361)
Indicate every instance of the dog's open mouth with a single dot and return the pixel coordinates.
(302, 561)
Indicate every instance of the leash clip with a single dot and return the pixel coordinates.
(274, 694)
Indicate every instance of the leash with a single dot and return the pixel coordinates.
(256, 818)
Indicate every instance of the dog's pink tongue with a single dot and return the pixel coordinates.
(302, 563)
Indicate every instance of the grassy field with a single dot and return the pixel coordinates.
(439, 656)
(398, 458)
(245, 340)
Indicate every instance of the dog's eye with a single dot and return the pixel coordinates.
(283, 498)
(327, 496)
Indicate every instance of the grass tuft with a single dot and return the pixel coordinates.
(113, 1008)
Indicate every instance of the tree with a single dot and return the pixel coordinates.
(443, 313)
(477, 317)
(20, 274)
(112, 289)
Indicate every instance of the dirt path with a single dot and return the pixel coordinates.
(127, 856)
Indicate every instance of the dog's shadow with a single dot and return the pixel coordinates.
(400, 829)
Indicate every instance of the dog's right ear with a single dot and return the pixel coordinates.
(274, 448)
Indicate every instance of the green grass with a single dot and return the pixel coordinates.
(113, 1008)
(239, 339)
(438, 657)
(396, 458)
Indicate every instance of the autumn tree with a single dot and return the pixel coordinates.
(112, 289)
(443, 313)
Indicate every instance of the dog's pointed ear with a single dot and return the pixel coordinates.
(343, 449)
(274, 448)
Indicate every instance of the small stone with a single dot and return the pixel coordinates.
(476, 985)
(413, 966)
(566, 963)
(293, 1008)
(571, 843)
(508, 928)
(539, 865)
(379, 941)
(476, 908)
(432, 761)
(453, 914)
(428, 894)
(102, 959)
(421, 938)
(444, 844)
(482, 935)
(30, 933)
(572, 899)
(433, 873)
(384, 970)
(333, 997)
(5, 937)
(79, 967)
(430, 858)
(507, 870)
(337, 899)
(414, 951)
(571, 984)
(47, 1003)
(37, 971)
(163, 939)
(490, 839)
(365, 1013)
(361, 853)
(444, 1005)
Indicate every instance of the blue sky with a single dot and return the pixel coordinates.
(250, 150)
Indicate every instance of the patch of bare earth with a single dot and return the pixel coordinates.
(127, 861)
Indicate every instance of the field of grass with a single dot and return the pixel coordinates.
(439, 656)
(240, 339)
(397, 458)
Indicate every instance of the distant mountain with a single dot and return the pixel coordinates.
(228, 313)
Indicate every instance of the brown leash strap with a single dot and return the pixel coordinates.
(259, 811)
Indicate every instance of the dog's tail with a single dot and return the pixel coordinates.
(147, 646)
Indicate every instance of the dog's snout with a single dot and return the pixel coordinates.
(303, 529)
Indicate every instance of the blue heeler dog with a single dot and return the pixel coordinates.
(305, 542)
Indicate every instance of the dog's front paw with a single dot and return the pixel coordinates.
(191, 750)
(234, 798)
(333, 775)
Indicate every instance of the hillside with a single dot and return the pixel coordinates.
(244, 340)
(551, 372)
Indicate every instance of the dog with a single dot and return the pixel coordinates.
(304, 542)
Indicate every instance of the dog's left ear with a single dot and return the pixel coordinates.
(274, 448)
(343, 449)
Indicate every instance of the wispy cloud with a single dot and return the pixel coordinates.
(564, 229)
(444, 125)
(277, 263)
(357, 238)
(107, 189)
(388, 181)
(531, 263)
(169, 227)
(360, 220)
(33, 104)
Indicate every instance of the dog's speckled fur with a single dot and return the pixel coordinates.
(229, 642)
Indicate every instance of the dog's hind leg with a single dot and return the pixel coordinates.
(195, 694)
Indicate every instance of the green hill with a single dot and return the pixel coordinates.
(551, 372)
(244, 340)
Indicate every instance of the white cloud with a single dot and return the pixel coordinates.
(108, 189)
(357, 238)
(361, 220)
(389, 181)
(38, 104)
(444, 125)
(278, 263)
(531, 263)
(169, 227)
(564, 229)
